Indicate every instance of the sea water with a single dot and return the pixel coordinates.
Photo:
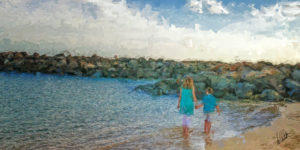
(67, 112)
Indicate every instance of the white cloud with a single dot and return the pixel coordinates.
(196, 6)
(284, 11)
(213, 6)
(216, 7)
(113, 28)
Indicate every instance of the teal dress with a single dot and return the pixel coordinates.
(186, 103)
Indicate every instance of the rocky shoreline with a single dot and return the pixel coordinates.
(231, 81)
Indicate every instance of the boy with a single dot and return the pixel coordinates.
(210, 103)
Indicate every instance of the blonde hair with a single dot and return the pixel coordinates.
(188, 83)
(209, 90)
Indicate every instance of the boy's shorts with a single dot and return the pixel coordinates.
(210, 116)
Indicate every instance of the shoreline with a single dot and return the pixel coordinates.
(282, 134)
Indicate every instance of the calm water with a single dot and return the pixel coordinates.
(66, 112)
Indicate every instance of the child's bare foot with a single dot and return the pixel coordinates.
(212, 132)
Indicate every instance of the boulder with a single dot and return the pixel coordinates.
(199, 77)
(163, 87)
(244, 90)
(296, 75)
(293, 88)
(124, 73)
(222, 85)
(152, 65)
(277, 85)
(233, 74)
(72, 64)
(112, 72)
(270, 95)
(133, 63)
(230, 96)
(200, 89)
(286, 70)
(140, 73)
(61, 63)
(147, 73)
(250, 75)
(260, 84)
(18, 56)
(272, 71)
(36, 55)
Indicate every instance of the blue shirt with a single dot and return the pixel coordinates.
(210, 103)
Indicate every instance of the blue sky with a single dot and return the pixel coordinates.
(180, 3)
(224, 30)
(177, 13)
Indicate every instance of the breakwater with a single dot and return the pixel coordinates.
(231, 81)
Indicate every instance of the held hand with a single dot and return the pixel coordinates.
(198, 106)
(219, 113)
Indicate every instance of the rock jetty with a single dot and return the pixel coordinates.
(231, 81)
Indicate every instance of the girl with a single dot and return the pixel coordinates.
(186, 102)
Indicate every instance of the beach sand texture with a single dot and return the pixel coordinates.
(282, 134)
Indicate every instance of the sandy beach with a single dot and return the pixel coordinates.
(282, 134)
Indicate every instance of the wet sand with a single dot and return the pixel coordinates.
(282, 134)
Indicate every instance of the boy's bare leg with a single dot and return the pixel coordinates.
(208, 127)
(205, 126)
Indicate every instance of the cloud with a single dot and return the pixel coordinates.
(216, 7)
(275, 20)
(212, 6)
(107, 28)
(196, 6)
(281, 11)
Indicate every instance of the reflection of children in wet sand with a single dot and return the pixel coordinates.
(210, 104)
(186, 101)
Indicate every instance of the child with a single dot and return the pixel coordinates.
(210, 103)
(186, 102)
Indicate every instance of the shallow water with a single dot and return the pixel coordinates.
(67, 112)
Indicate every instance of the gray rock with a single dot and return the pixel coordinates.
(230, 96)
(163, 87)
(112, 72)
(270, 95)
(286, 70)
(296, 75)
(72, 64)
(140, 73)
(61, 63)
(159, 64)
(244, 90)
(166, 75)
(199, 77)
(200, 89)
(261, 84)
(294, 88)
(291, 84)
(124, 73)
(222, 85)
(133, 63)
(152, 65)
(6, 61)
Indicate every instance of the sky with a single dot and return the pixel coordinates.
(223, 30)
